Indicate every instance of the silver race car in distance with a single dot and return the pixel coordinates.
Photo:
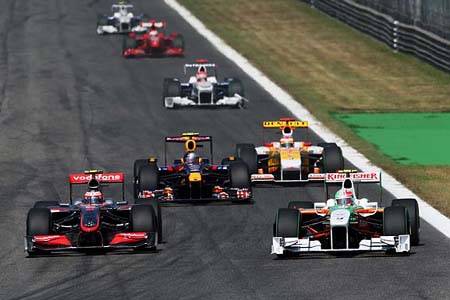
(123, 20)
(203, 88)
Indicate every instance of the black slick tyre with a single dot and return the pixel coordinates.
(247, 153)
(143, 219)
(332, 159)
(102, 20)
(287, 223)
(171, 88)
(395, 221)
(128, 43)
(38, 221)
(235, 87)
(138, 163)
(148, 178)
(178, 42)
(414, 219)
(239, 176)
(157, 210)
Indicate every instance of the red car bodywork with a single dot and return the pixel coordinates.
(153, 42)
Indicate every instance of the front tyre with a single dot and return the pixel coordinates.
(157, 210)
(239, 175)
(412, 207)
(395, 221)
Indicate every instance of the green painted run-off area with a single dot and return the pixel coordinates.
(408, 138)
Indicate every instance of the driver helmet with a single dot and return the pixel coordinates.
(287, 142)
(153, 33)
(344, 197)
(93, 197)
(191, 158)
(201, 74)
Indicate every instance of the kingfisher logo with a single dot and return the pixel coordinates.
(106, 177)
(363, 177)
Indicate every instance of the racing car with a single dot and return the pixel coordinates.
(122, 20)
(288, 161)
(92, 222)
(203, 88)
(345, 222)
(154, 42)
(192, 177)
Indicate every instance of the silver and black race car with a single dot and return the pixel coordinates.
(92, 222)
(122, 20)
(203, 88)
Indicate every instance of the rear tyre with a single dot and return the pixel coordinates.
(287, 223)
(171, 88)
(235, 87)
(38, 221)
(102, 20)
(45, 204)
(332, 159)
(138, 163)
(178, 42)
(143, 219)
(157, 210)
(395, 221)
(129, 43)
(148, 178)
(300, 204)
(414, 219)
(248, 154)
(239, 176)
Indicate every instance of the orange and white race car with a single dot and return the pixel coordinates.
(287, 160)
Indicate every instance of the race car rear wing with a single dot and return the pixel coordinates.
(99, 176)
(356, 177)
(286, 125)
(201, 63)
(122, 6)
(190, 140)
(153, 23)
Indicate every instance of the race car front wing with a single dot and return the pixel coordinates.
(236, 100)
(399, 244)
(60, 242)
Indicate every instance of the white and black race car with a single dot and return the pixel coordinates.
(122, 21)
(203, 88)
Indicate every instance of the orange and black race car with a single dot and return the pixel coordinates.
(192, 177)
(92, 222)
(287, 160)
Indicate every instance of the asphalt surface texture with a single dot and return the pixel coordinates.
(69, 101)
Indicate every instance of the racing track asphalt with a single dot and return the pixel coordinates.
(69, 101)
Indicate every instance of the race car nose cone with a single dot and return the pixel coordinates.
(195, 177)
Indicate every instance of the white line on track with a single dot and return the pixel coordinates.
(428, 213)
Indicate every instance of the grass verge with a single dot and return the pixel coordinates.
(331, 68)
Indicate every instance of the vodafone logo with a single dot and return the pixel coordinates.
(107, 177)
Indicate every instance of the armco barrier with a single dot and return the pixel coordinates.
(397, 35)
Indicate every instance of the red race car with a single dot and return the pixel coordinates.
(154, 42)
